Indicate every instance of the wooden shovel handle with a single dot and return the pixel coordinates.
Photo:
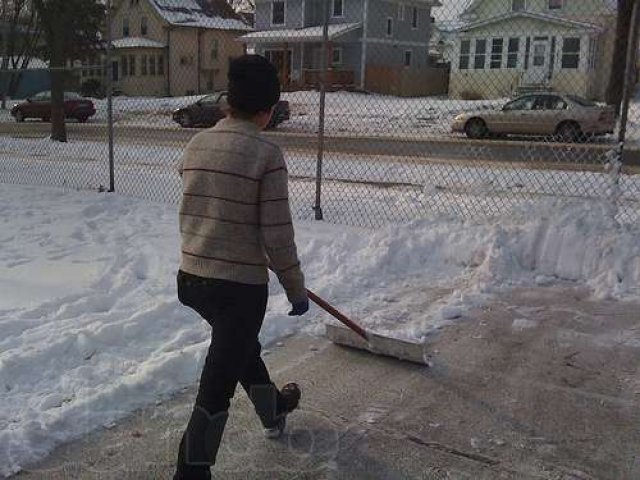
(338, 315)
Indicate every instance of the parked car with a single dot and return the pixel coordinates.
(566, 117)
(39, 106)
(209, 110)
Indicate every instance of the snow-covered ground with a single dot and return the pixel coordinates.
(347, 113)
(91, 328)
(359, 190)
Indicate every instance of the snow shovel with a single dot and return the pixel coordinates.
(357, 337)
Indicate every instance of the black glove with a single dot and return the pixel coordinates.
(299, 308)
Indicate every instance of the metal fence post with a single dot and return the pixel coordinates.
(629, 74)
(323, 91)
(629, 83)
(109, 80)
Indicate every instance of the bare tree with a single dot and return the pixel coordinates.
(71, 28)
(243, 5)
(20, 37)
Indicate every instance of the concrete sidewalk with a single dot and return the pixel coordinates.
(541, 384)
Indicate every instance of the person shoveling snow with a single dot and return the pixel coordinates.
(235, 221)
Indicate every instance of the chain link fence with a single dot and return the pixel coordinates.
(391, 110)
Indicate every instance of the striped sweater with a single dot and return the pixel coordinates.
(235, 219)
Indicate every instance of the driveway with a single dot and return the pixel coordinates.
(540, 384)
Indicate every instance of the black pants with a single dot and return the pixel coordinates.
(235, 312)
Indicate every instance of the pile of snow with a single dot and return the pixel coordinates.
(92, 329)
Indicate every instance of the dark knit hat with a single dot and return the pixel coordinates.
(254, 86)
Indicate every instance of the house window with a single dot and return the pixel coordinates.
(518, 5)
(389, 27)
(338, 6)
(186, 60)
(125, 27)
(414, 18)
(571, 52)
(407, 58)
(336, 56)
(160, 64)
(144, 26)
(593, 53)
(277, 13)
(539, 54)
(401, 9)
(143, 65)
(556, 4)
(497, 47)
(512, 53)
(465, 54)
(152, 65)
(214, 50)
(480, 57)
(132, 65)
(124, 65)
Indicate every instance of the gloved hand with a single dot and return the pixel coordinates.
(299, 308)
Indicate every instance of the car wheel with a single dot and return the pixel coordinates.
(569, 132)
(19, 116)
(476, 128)
(185, 120)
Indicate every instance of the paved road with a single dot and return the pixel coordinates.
(541, 384)
(434, 149)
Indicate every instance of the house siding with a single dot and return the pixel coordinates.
(380, 11)
(589, 79)
(351, 9)
(293, 15)
(386, 52)
(134, 14)
(571, 8)
(188, 65)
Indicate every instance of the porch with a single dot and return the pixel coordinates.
(298, 55)
(335, 79)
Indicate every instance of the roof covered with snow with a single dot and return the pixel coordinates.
(211, 14)
(137, 42)
(299, 35)
(474, 4)
(32, 63)
(531, 15)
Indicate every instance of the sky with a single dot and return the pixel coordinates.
(450, 9)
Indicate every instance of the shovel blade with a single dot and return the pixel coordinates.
(379, 345)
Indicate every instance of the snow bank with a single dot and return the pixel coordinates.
(92, 329)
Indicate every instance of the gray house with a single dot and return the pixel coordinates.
(376, 45)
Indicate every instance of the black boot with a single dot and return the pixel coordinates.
(199, 445)
(289, 400)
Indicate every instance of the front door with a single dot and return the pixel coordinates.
(282, 62)
(115, 71)
(539, 58)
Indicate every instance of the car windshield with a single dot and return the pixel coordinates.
(39, 97)
(522, 103)
(208, 99)
(583, 102)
